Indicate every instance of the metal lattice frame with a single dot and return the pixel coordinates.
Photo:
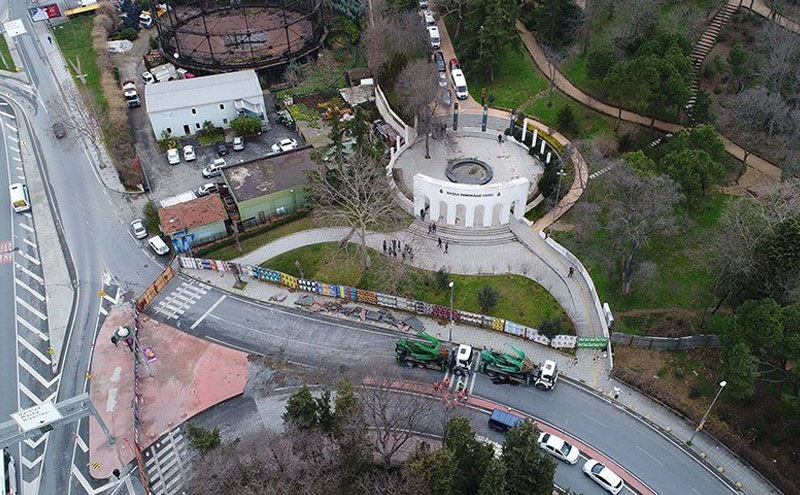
(206, 36)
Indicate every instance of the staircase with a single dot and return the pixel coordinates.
(705, 44)
(474, 236)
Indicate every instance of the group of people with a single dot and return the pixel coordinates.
(396, 247)
(445, 385)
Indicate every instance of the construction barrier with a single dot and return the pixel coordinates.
(592, 342)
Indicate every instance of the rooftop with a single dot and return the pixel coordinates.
(268, 175)
(198, 91)
(190, 214)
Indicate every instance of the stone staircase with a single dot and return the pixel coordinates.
(475, 236)
(705, 44)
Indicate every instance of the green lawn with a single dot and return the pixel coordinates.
(6, 62)
(257, 240)
(75, 40)
(515, 82)
(521, 300)
(682, 280)
(589, 121)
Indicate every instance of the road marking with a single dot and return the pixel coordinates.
(29, 273)
(10, 116)
(81, 443)
(29, 257)
(32, 464)
(36, 375)
(651, 456)
(208, 312)
(26, 227)
(29, 242)
(596, 421)
(30, 395)
(11, 127)
(33, 443)
(33, 350)
(228, 344)
(30, 290)
(32, 328)
(30, 308)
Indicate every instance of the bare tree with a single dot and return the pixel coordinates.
(354, 193)
(76, 118)
(391, 34)
(634, 208)
(417, 88)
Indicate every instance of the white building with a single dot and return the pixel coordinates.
(181, 107)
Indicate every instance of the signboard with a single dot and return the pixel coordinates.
(36, 416)
(44, 12)
(14, 28)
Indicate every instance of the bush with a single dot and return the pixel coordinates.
(129, 34)
(487, 298)
(442, 279)
(246, 126)
(166, 142)
(550, 327)
(201, 439)
(566, 120)
(210, 134)
(150, 214)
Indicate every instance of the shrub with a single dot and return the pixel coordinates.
(201, 439)
(487, 298)
(150, 214)
(550, 327)
(129, 34)
(442, 279)
(566, 120)
(166, 142)
(246, 126)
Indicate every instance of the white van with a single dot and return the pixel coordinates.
(158, 245)
(460, 84)
(429, 19)
(436, 41)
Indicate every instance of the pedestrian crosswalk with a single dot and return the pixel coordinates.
(167, 463)
(174, 304)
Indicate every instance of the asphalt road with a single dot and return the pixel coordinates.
(320, 341)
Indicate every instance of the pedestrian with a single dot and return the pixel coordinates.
(436, 386)
(440, 243)
(500, 138)
(446, 383)
(115, 340)
(394, 252)
(571, 272)
(422, 214)
(404, 255)
(384, 246)
(50, 40)
(393, 244)
(446, 246)
(433, 226)
(617, 393)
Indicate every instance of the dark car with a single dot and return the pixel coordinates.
(59, 130)
(222, 149)
(438, 57)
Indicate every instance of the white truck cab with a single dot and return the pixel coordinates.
(462, 360)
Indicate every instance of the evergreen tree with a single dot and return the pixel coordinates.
(494, 479)
(529, 471)
(301, 409)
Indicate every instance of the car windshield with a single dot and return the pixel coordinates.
(566, 448)
(597, 468)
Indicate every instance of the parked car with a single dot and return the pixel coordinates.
(188, 153)
(435, 39)
(443, 79)
(423, 4)
(460, 84)
(173, 157)
(284, 145)
(222, 149)
(429, 19)
(238, 143)
(603, 476)
(207, 189)
(138, 228)
(438, 58)
(559, 448)
(59, 130)
(447, 97)
(158, 245)
(453, 64)
(214, 169)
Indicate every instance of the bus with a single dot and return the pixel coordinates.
(19, 198)
(8, 475)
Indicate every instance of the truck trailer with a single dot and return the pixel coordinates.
(503, 367)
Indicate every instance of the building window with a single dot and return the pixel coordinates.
(225, 121)
(169, 130)
(221, 106)
(196, 125)
(194, 111)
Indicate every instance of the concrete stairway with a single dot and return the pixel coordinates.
(475, 236)
(705, 44)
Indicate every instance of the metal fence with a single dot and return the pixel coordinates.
(666, 343)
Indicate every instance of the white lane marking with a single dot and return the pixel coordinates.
(32, 464)
(29, 242)
(33, 443)
(651, 456)
(30, 395)
(26, 227)
(11, 127)
(29, 289)
(29, 273)
(10, 116)
(208, 312)
(29, 257)
(81, 443)
(593, 419)
(35, 374)
(30, 308)
(32, 328)
(34, 350)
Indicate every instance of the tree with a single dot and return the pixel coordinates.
(633, 209)
(494, 23)
(150, 214)
(738, 367)
(201, 439)
(701, 137)
(493, 481)
(566, 120)
(436, 471)
(553, 21)
(777, 262)
(694, 170)
(418, 87)
(472, 457)
(487, 297)
(353, 193)
(301, 409)
(246, 126)
(528, 470)
(392, 36)
(599, 62)
(640, 162)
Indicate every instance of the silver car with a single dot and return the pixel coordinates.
(138, 228)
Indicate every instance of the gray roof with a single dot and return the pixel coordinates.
(198, 91)
(268, 175)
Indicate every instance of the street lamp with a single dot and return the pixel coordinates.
(451, 311)
(561, 174)
(703, 421)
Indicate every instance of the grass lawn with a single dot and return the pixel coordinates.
(75, 40)
(516, 81)
(6, 62)
(521, 299)
(256, 241)
(589, 121)
(682, 279)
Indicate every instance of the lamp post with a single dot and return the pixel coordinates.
(451, 311)
(561, 174)
(705, 416)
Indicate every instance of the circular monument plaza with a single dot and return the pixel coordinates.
(470, 180)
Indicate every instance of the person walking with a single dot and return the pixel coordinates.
(384, 246)
(617, 393)
(571, 272)
(446, 246)
(440, 243)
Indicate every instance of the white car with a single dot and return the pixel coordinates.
(559, 448)
(173, 157)
(214, 169)
(238, 143)
(188, 153)
(138, 229)
(603, 476)
(158, 245)
(207, 189)
(284, 145)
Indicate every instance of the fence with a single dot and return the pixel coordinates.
(389, 301)
(666, 343)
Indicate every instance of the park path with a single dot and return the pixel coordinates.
(759, 165)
